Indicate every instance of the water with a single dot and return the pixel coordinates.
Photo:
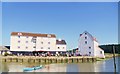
(99, 66)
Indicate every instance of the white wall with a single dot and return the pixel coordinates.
(53, 47)
(84, 48)
(61, 47)
(45, 44)
(14, 43)
(98, 50)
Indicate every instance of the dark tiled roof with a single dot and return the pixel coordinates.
(60, 42)
(33, 34)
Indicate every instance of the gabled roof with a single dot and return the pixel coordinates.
(93, 38)
(32, 34)
(61, 42)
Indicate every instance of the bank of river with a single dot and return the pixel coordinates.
(99, 66)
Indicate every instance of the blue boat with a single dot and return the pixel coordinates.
(33, 68)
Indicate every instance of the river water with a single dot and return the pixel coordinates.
(99, 66)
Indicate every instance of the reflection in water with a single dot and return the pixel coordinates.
(100, 66)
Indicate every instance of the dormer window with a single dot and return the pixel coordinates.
(49, 35)
(85, 33)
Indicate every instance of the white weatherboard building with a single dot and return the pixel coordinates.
(29, 42)
(88, 46)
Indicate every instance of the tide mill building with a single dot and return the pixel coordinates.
(89, 46)
(23, 43)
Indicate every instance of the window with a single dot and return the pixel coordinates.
(41, 42)
(34, 47)
(58, 47)
(100, 52)
(18, 36)
(48, 42)
(89, 47)
(85, 42)
(18, 41)
(48, 47)
(85, 33)
(89, 52)
(34, 39)
(63, 47)
(18, 47)
(41, 47)
(85, 37)
(26, 41)
(26, 47)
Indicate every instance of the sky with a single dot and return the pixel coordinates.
(67, 20)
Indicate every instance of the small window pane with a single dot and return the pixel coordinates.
(48, 47)
(18, 47)
(26, 41)
(89, 52)
(89, 47)
(41, 42)
(58, 47)
(18, 41)
(26, 47)
(18, 36)
(48, 42)
(41, 47)
(34, 47)
(85, 42)
(85, 37)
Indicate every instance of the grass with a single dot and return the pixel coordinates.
(110, 55)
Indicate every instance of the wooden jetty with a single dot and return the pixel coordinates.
(33, 59)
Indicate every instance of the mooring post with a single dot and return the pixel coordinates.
(16, 59)
(77, 60)
(39, 60)
(10, 59)
(5, 60)
(114, 59)
(22, 60)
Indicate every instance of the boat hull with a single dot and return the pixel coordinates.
(33, 68)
